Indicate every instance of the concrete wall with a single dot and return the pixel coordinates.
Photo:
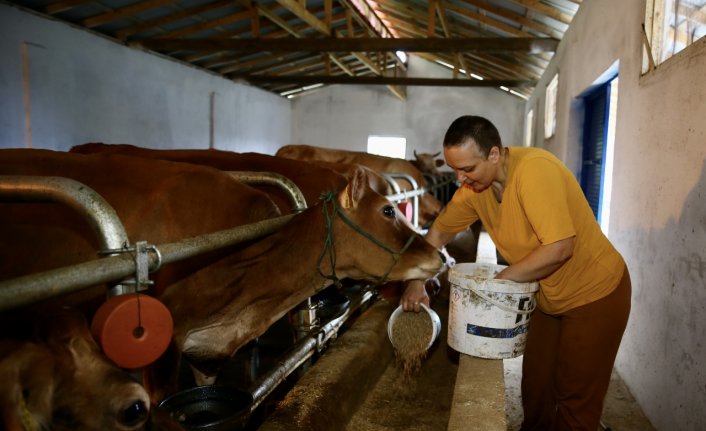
(61, 86)
(658, 210)
(342, 116)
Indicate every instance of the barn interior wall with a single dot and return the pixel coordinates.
(61, 86)
(658, 210)
(342, 116)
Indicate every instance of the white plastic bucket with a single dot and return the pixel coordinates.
(435, 321)
(488, 318)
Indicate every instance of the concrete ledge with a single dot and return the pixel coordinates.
(479, 396)
(328, 394)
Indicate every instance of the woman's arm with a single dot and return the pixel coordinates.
(540, 263)
(415, 293)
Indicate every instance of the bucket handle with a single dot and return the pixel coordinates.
(500, 305)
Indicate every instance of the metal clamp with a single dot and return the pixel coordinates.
(142, 268)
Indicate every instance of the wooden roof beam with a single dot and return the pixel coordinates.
(285, 26)
(123, 12)
(300, 11)
(359, 44)
(546, 10)
(384, 80)
(124, 33)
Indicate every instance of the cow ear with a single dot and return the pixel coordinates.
(351, 195)
(439, 163)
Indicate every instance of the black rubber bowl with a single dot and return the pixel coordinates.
(212, 408)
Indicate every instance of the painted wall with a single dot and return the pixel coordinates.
(658, 210)
(61, 86)
(342, 116)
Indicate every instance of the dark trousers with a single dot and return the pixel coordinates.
(568, 361)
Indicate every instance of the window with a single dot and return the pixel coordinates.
(671, 26)
(550, 107)
(598, 141)
(529, 128)
(390, 146)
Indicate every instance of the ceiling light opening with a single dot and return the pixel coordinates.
(518, 94)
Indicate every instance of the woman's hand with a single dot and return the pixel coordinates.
(414, 295)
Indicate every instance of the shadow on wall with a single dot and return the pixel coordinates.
(663, 353)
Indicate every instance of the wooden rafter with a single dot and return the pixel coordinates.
(358, 44)
(384, 80)
(342, 37)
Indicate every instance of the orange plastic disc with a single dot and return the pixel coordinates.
(133, 329)
(407, 209)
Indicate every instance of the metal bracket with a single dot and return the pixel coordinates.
(141, 279)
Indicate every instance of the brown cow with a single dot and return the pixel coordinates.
(427, 163)
(220, 307)
(311, 179)
(429, 206)
(61, 381)
(157, 201)
(302, 258)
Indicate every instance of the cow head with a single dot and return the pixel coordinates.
(427, 163)
(373, 240)
(63, 382)
(26, 370)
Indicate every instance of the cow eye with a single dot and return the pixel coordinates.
(388, 211)
(134, 414)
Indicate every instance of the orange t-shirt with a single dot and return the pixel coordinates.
(542, 203)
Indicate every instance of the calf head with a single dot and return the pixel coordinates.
(63, 382)
(427, 163)
(373, 240)
(92, 393)
(26, 370)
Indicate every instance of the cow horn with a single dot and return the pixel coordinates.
(436, 154)
(415, 153)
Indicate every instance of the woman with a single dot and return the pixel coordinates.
(539, 219)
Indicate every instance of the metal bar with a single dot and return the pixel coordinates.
(32, 288)
(532, 45)
(415, 197)
(392, 182)
(84, 200)
(275, 179)
(303, 350)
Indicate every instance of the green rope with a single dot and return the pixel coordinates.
(328, 242)
(329, 214)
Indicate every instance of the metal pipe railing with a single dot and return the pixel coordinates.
(274, 179)
(302, 351)
(392, 182)
(32, 288)
(84, 200)
(415, 197)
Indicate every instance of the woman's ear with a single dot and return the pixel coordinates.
(494, 154)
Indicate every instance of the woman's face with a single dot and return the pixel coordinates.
(471, 168)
